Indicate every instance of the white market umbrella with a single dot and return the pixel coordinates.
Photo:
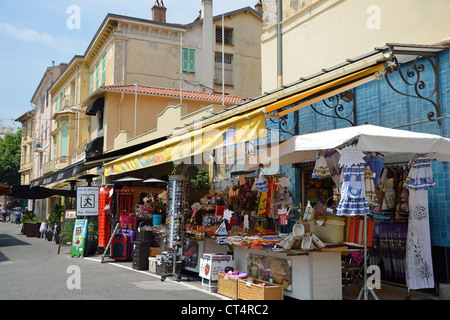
(395, 145)
(154, 180)
(127, 178)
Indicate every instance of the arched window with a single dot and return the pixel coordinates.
(64, 139)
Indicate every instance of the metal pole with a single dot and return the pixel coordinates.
(223, 61)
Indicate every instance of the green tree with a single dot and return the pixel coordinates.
(10, 158)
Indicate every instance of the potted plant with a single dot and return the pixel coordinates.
(92, 238)
(55, 223)
(199, 185)
(29, 221)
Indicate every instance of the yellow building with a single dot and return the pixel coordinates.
(26, 145)
(91, 113)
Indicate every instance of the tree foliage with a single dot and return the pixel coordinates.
(10, 158)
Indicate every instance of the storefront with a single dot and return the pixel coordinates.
(253, 212)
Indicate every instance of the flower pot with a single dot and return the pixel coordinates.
(91, 247)
(49, 235)
(37, 225)
(30, 229)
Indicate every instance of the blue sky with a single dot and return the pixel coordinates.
(33, 33)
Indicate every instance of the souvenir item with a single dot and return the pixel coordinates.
(309, 212)
(332, 159)
(419, 266)
(350, 156)
(353, 193)
(420, 176)
(283, 216)
(371, 195)
(321, 170)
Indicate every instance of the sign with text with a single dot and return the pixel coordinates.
(87, 201)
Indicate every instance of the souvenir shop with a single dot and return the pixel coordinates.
(378, 202)
(363, 197)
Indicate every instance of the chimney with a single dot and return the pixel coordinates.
(258, 7)
(208, 46)
(159, 11)
(207, 9)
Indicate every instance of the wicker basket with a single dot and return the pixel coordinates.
(227, 286)
(255, 291)
(331, 232)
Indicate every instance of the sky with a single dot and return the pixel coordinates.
(33, 33)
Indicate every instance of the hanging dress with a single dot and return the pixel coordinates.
(321, 170)
(353, 192)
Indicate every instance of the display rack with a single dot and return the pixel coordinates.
(177, 188)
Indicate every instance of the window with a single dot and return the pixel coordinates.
(188, 60)
(227, 66)
(96, 76)
(64, 139)
(228, 38)
(100, 120)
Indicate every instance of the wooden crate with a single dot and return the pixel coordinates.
(227, 286)
(255, 291)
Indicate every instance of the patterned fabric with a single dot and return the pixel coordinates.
(353, 192)
(369, 184)
(321, 170)
(419, 265)
(420, 176)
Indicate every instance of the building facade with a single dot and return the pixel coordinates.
(92, 106)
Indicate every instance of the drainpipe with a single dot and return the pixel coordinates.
(279, 44)
(135, 108)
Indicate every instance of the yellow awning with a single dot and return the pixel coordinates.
(234, 130)
(340, 82)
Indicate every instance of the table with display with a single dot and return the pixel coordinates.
(315, 275)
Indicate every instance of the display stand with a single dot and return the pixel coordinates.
(176, 210)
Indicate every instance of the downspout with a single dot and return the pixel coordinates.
(135, 108)
(123, 56)
(279, 45)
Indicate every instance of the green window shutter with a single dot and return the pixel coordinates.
(96, 76)
(184, 62)
(188, 60)
(192, 61)
(64, 139)
(103, 67)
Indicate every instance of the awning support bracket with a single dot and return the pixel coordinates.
(412, 78)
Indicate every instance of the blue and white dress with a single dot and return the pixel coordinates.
(353, 192)
(420, 176)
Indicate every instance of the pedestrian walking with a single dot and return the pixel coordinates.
(4, 214)
(17, 215)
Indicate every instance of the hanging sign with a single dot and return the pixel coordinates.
(87, 201)
(79, 238)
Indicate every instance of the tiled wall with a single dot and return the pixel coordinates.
(378, 104)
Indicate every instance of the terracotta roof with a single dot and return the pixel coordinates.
(169, 92)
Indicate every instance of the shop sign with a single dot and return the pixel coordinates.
(87, 201)
(79, 238)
